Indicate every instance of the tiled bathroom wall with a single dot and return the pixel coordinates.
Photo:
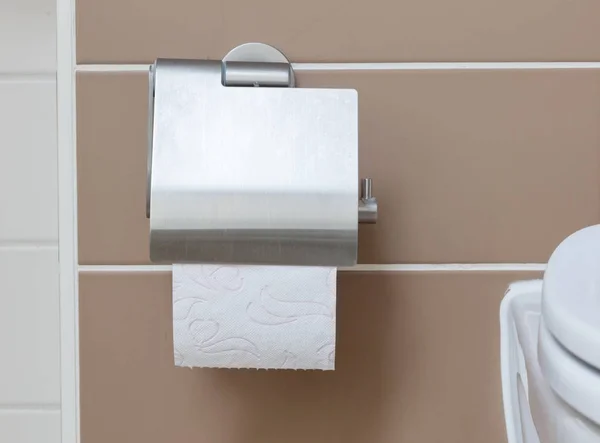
(484, 156)
(30, 402)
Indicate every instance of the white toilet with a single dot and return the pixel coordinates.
(550, 348)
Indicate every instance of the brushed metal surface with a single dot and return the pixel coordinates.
(251, 175)
(367, 206)
(261, 53)
(257, 74)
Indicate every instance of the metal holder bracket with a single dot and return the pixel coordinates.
(260, 65)
(202, 128)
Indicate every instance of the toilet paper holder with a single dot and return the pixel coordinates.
(245, 168)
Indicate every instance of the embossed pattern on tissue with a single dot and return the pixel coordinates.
(255, 317)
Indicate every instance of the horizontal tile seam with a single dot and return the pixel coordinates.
(28, 407)
(27, 77)
(28, 244)
(450, 267)
(403, 66)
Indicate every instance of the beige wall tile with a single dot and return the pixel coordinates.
(126, 31)
(112, 128)
(417, 360)
(468, 166)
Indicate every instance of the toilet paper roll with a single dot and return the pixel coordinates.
(267, 317)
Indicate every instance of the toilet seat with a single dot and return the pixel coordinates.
(571, 295)
(576, 382)
(534, 411)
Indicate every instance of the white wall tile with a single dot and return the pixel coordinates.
(29, 327)
(28, 165)
(30, 427)
(29, 301)
(27, 35)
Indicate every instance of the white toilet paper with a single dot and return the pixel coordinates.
(268, 317)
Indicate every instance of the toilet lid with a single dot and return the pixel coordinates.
(577, 383)
(571, 295)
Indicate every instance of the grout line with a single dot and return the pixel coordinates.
(437, 66)
(29, 244)
(125, 268)
(26, 77)
(409, 66)
(67, 212)
(28, 407)
(450, 267)
(113, 68)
